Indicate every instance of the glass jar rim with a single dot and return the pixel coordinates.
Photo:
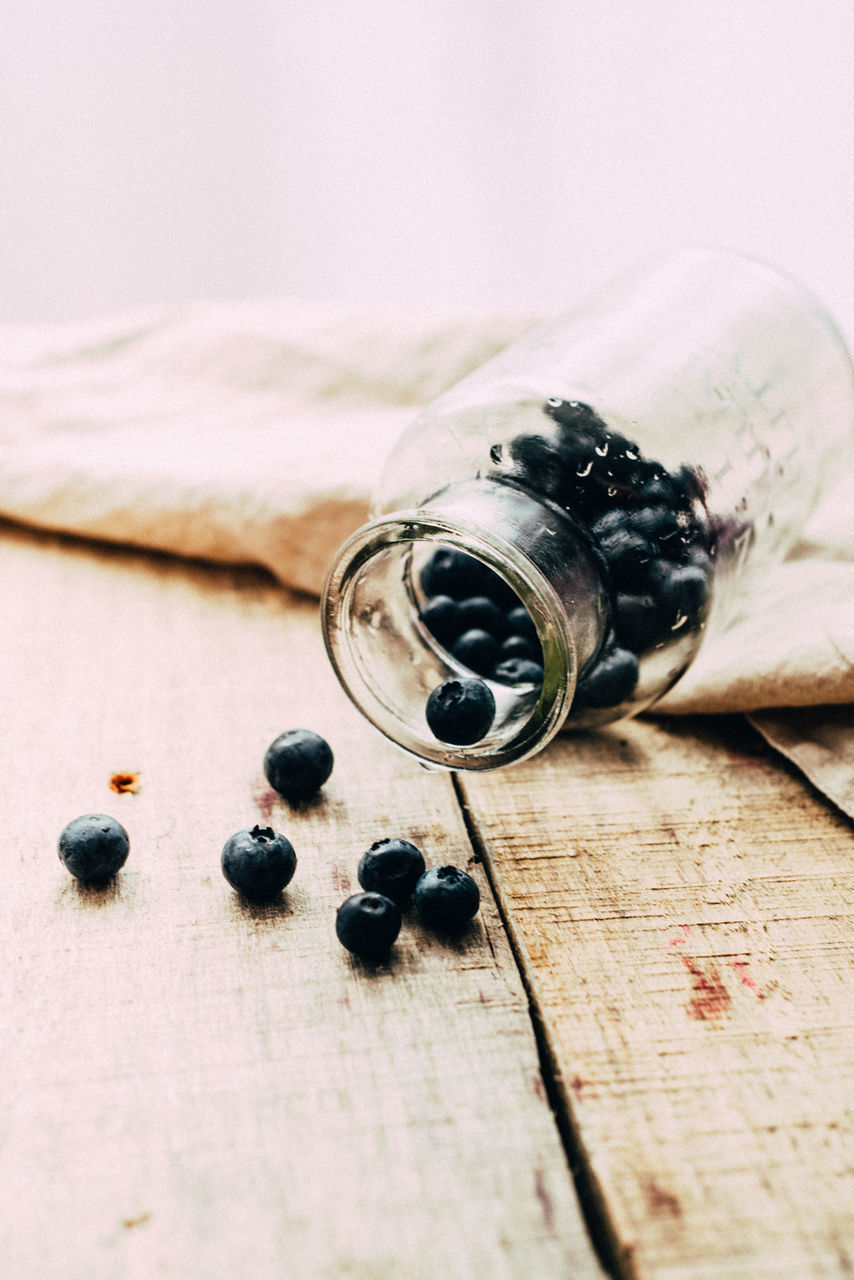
(427, 526)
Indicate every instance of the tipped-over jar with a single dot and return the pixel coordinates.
(568, 524)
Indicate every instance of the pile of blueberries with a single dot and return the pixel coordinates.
(648, 532)
(260, 862)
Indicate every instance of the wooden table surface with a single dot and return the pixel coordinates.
(637, 1062)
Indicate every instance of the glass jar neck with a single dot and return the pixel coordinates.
(389, 662)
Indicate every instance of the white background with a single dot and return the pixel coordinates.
(429, 152)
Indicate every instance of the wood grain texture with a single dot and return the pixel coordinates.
(194, 1087)
(683, 903)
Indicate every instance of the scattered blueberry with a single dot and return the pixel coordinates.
(461, 710)
(258, 863)
(391, 866)
(476, 649)
(446, 898)
(93, 846)
(367, 924)
(297, 763)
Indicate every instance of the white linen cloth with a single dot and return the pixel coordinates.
(253, 432)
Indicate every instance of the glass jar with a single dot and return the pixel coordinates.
(618, 477)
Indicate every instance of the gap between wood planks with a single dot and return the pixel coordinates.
(603, 1237)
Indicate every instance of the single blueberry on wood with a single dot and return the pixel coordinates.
(367, 924)
(258, 863)
(446, 898)
(93, 846)
(460, 711)
(393, 867)
(297, 763)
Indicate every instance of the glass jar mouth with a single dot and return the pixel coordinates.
(389, 662)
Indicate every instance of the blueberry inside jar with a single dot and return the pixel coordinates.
(556, 535)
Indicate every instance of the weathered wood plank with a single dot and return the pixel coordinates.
(682, 902)
(193, 1087)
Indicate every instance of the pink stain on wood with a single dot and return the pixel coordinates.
(264, 798)
(710, 1000)
(661, 1202)
(341, 882)
(680, 938)
(746, 978)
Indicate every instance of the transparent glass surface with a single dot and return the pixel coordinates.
(631, 468)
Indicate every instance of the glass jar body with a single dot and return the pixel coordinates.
(628, 469)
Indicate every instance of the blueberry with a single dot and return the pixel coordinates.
(367, 924)
(574, 414)
(451, 572)
(455, 573)
(93, 846)
(636, 621)
(461, 711)
(519, 647)
(610, 682)
(258, 863)
(477, 649)
(610, 523)
(446, 898)
(297, 763)
(482, 613)
(660, 523)
(440, 615)
(518, 622)
(492, 584)
(658, 486)
(680, 591)
(536, 457)
(627, 554)
(392, 867)
(518, 671)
